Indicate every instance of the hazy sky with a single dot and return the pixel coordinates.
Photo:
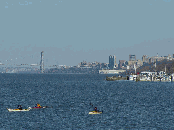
(70, 31)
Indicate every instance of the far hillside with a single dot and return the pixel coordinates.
(160, 66)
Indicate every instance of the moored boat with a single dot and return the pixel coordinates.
(113, 78)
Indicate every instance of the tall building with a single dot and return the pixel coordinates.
(132, 57)
(42, 62)
(112, 62)
(132, 60)
(144, 58)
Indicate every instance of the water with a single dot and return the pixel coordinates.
(125, 104)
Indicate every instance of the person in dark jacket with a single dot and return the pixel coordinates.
(95, 109)
(19, 107)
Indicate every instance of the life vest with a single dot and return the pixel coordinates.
(38, 105)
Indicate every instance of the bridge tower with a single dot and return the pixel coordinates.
(42, 62)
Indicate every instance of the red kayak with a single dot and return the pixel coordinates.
(39, 107)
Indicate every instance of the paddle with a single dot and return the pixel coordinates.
(48, 107)
(91, 104)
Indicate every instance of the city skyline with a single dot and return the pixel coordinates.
(72, 31)
(111, 61)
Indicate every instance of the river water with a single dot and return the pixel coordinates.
(125, 104)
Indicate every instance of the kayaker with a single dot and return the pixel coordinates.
(38, 105)
(95, 109)
(19, 107)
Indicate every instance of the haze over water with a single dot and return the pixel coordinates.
(70, 31)
(125, 104)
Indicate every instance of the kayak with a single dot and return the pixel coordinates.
(10, 110)
(39, 107)
(95, 112)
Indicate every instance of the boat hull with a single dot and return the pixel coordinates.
(11, 110)
(113, 78)
(94, 112)
(39, 107)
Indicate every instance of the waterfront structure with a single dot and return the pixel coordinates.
(42, 62)
(111, 71)
(132, 77)
(152, 76)
(112, 62)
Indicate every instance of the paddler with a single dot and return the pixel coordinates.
(19, 107)
(95, 109)
(38, 105)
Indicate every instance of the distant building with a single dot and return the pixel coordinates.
(139, 63)
(103, 66)
(132, 60)
(112, 62)
(156, 58)
(84, 63)
(144, 58)
(133, 63)
(122, 64)
(132, 57)
(169, 57)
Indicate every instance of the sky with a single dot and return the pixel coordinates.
(72, 31)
